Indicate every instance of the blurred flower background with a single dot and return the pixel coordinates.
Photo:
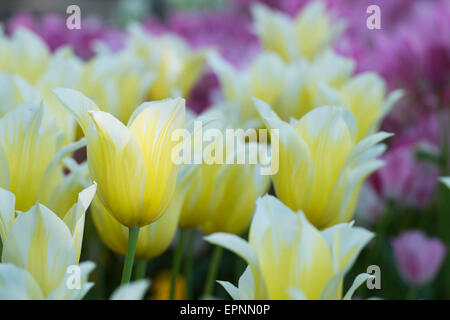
(403, 202)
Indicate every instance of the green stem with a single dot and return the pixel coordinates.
(177, 263)
(133, 234)
(212, 273)
(189, 263)
(412, 293)
(141, 269)
(1, 249)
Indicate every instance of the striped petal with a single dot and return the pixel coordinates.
(75, 217)
(7, 212)
(117, 165)
(18, 284)
(152, 126)
(41, 243)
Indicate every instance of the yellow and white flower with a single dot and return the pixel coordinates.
(176, 66)
(321, 163)
(221, 192)
(39, 250)
(153, 239)
(31, 155)
(131, 164)
(117, 82)
(288, 258)
(25, 54)
(310, 33)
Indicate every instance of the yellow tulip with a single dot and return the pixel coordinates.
(39, 248)
(220, 196)
(176, 66)
(14, 90)
(131, 164)
(264, 79)
(62, 69)
(310, 33)
(153, 239)
(288, 258)
(117, 82)
(24, 54)
(31, 160)
(365, 96)
(321, 163)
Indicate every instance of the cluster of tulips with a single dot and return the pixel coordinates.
(123, 108)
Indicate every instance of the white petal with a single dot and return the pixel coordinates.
(7, 212)
(18, 284)
(131, 291)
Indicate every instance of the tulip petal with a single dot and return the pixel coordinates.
(22, 138)
(78, 104)
(7, 212)
(131, 291)
(445, 181)
(152, 126)
(4, 169)
(359, 280)
(41, 243)
(346, 242)
(18, 284)
(65, 292)
(234, 244)
(117, 165)
(75, 217)
(294, 157)
(232, 290)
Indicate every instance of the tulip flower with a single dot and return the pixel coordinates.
(131, 164)
(40, 250)
(62, 69)
(264, 80)
(311, 32)
(220, 196)
(176, 66)
(288, 258)
(321, 164)
(74, 217)
(418, 257)
(153, 239)
(405, 179)
(31, 160)
(364, 95)
(24, 54)
(14, 90)
(117, 82)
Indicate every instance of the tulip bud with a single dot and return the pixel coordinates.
(131, 164)
(418, 257)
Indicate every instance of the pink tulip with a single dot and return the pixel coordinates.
(418, 257)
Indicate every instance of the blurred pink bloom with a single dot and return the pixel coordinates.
(52, 29)
(418, 257)
(405, 178)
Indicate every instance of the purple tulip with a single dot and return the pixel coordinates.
(404, 177)
(418, 257)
